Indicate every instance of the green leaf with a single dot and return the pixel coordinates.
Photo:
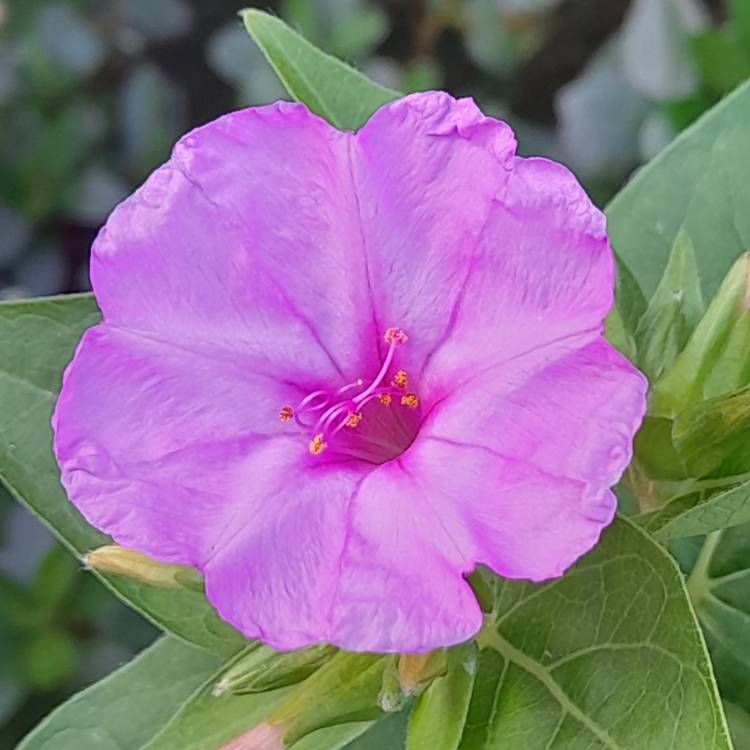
(608, 656)
(672, 313)
(739, 725)
(329, 87)
(129, 706)
(719, 586)
(695, 513)
(37, 340)
(696, 184)
(716, 358)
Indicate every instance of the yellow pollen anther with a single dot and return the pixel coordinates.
(410, 400)
(318, 445)
(395, 336)
(286, 413)
(354, 419)
(385, 399)
(400, 380)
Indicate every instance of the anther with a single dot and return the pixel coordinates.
(286, 413)
(395, 336)
(385, 399)
(400, 380)
(318, 445)
(354, 419)
(410, 400)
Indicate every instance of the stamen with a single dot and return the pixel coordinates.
(400, 380)
(323, 414)
(410, 400)
(318, 445)
(286, 414)
(354, 419)
(358, 383)
(394, 337)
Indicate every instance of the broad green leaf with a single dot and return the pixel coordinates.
(700, 512)
(716, 358)
(719, 586)
(697, 184)
(609, 656)
(672, 313)
(329, 87)
(739, 725)
(37, 340)
(129, 706)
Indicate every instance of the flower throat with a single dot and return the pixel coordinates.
(324, 415)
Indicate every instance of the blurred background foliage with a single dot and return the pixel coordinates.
(94, 92)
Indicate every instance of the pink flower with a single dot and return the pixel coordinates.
(336, 371)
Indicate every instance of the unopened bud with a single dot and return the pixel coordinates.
(715, 358)
(264, 736)
(121, 561)
(417, 671)
(408, 675)
(344, 690)
(262, 670)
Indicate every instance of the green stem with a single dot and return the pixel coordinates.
(699, 580)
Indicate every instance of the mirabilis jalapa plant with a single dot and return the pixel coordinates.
(344, 361)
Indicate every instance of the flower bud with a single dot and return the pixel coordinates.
(121, 561)
(715, 359)
(264, 736)
(263, 670)
(344, 690)
(417, 671)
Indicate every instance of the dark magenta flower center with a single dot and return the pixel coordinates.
(374, 421)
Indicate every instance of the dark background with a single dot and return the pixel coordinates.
(94, 92)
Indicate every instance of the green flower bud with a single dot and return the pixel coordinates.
(345, 689)
(716, 358)
(263, 670)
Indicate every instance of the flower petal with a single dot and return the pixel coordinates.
(537, 460)
(273, 574)
(427, 168)
(543, 272)
(154, 441)
(245, 241)
(479, 255)
(401, 586)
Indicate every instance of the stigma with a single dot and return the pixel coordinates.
(323, 414)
